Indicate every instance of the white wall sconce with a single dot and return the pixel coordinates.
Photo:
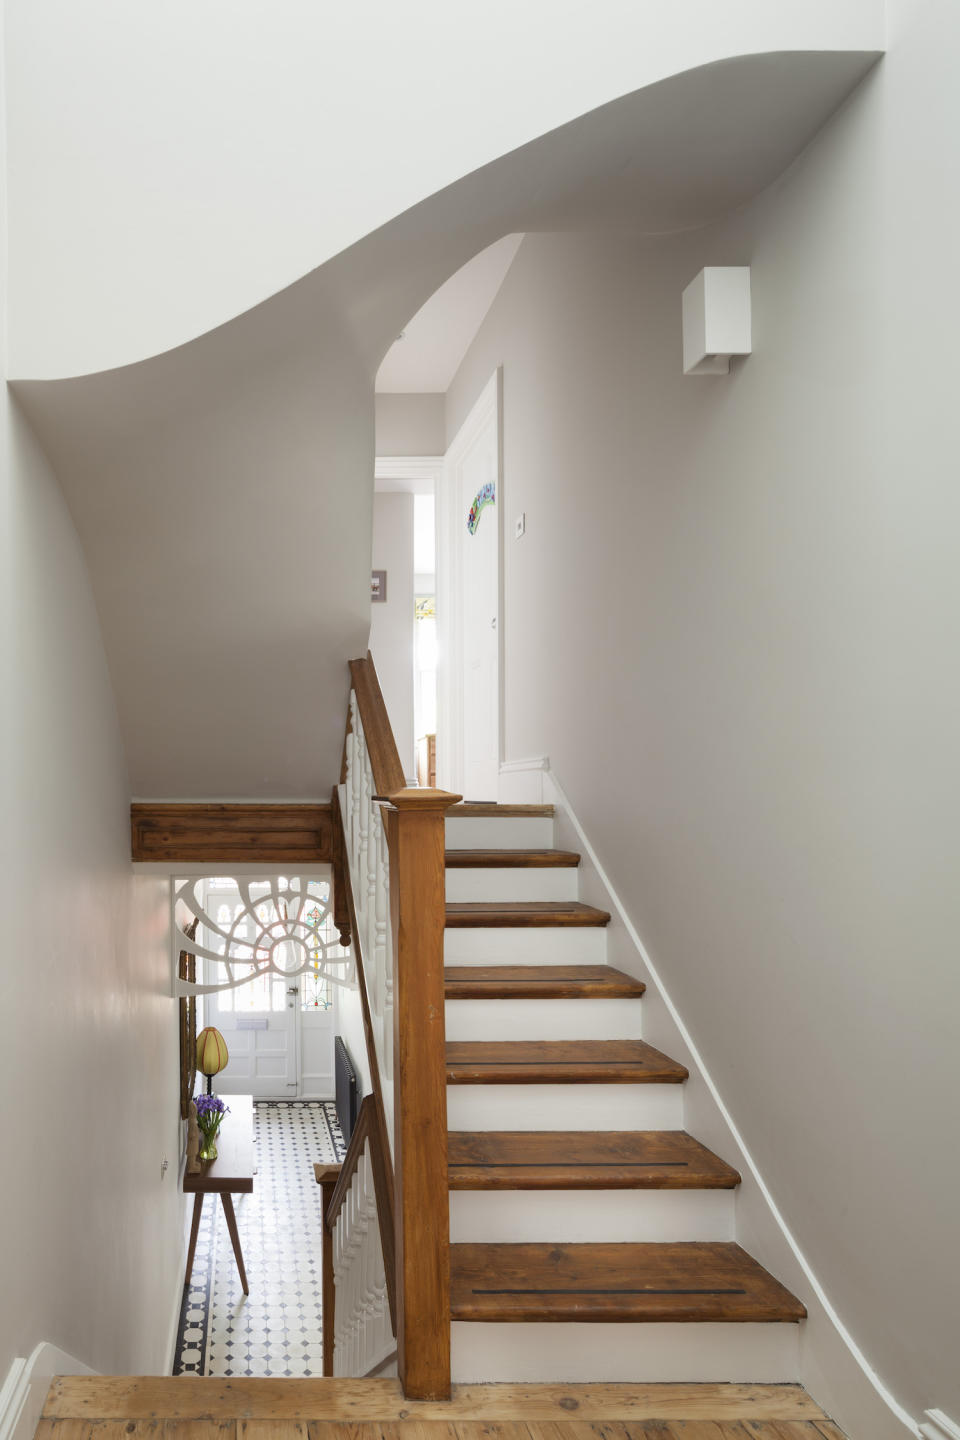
(716, 319)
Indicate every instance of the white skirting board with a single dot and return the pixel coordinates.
(25, 1389)
(937, 1426)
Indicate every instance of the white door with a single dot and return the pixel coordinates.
(468, 606)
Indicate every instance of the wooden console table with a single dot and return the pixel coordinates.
(230, 1174)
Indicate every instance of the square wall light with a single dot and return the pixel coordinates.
(716, 319)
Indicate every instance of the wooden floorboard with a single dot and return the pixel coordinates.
(619, 1283)
(539, 982)
(482, 808)
(560, 1062)
(430, 1429)
(584, 1160)
(522, 914)
(76, 1403)
(511, 859)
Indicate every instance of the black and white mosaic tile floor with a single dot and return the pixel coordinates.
(276, 1329)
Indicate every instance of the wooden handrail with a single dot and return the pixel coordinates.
(388, 773)
(414, 823)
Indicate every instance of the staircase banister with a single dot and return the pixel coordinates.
(394, 882)
(388, 772)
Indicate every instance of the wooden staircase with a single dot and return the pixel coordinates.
(517, 934)
(542, 1214)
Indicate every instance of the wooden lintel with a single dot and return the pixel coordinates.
(242, 834)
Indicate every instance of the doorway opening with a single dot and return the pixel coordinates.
(264, 968)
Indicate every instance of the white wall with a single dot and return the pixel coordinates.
(391, 624)
(732, 624)
(410, 425)
(90, 1235)
(201, 157)
(89, 1232)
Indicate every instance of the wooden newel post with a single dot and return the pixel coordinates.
(415, 833)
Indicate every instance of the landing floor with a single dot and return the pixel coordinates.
(103, 1408)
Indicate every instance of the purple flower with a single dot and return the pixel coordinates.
(210, 1111)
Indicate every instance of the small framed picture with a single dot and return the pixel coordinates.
(378, 586)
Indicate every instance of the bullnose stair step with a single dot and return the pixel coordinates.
(540, 982)
(484, 809)
(618, 1282)
(523, 914)
(584, 1160)
(559, 1062)
(512, 859)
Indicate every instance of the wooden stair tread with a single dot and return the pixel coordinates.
(539, 982)
(615, 1282)
(478, 809)
(471, 913)
(559, 1062)
(584, 1160)
(511, 859)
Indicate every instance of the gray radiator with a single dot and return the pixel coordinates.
(348, 1091)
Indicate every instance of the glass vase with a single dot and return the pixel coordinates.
(208, 1146)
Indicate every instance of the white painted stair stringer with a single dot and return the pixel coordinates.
(499, 832)
(570, 1353)
(522, 882)
(588, 1019)
(582, 1217)
(565, 1107)
(826, 1357)
(525, 945)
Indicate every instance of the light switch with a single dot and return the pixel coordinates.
(520, 525)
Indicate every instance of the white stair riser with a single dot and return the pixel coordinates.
(543, 1019)
(525, 945)
(641, 1353)
(589, 1216)
(496, 832)
(538, 882)
(565, 1107)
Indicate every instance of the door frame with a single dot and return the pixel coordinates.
(450, 752)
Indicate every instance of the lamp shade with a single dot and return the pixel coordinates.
(212, 1053)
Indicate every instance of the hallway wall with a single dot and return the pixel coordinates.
(90, 1236)
(732, 624)
(391, 623)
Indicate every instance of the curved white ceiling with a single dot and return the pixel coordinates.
(223, 490)
(172, 165)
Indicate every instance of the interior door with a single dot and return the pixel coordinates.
(469, 584)
(259, 1020)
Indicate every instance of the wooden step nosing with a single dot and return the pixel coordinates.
(492, 859)
(523, 915)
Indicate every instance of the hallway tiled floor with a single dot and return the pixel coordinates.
(276, 1329)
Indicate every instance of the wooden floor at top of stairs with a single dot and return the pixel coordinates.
(560, 1062)
(688, 1281)
(512, 859)
(194, 1408)
(522, 913)
(539, 982)
(584, 1160)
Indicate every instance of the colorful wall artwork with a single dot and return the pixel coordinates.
(487, 495)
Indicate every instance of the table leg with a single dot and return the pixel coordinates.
(227, 1199)
(194, 1232)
